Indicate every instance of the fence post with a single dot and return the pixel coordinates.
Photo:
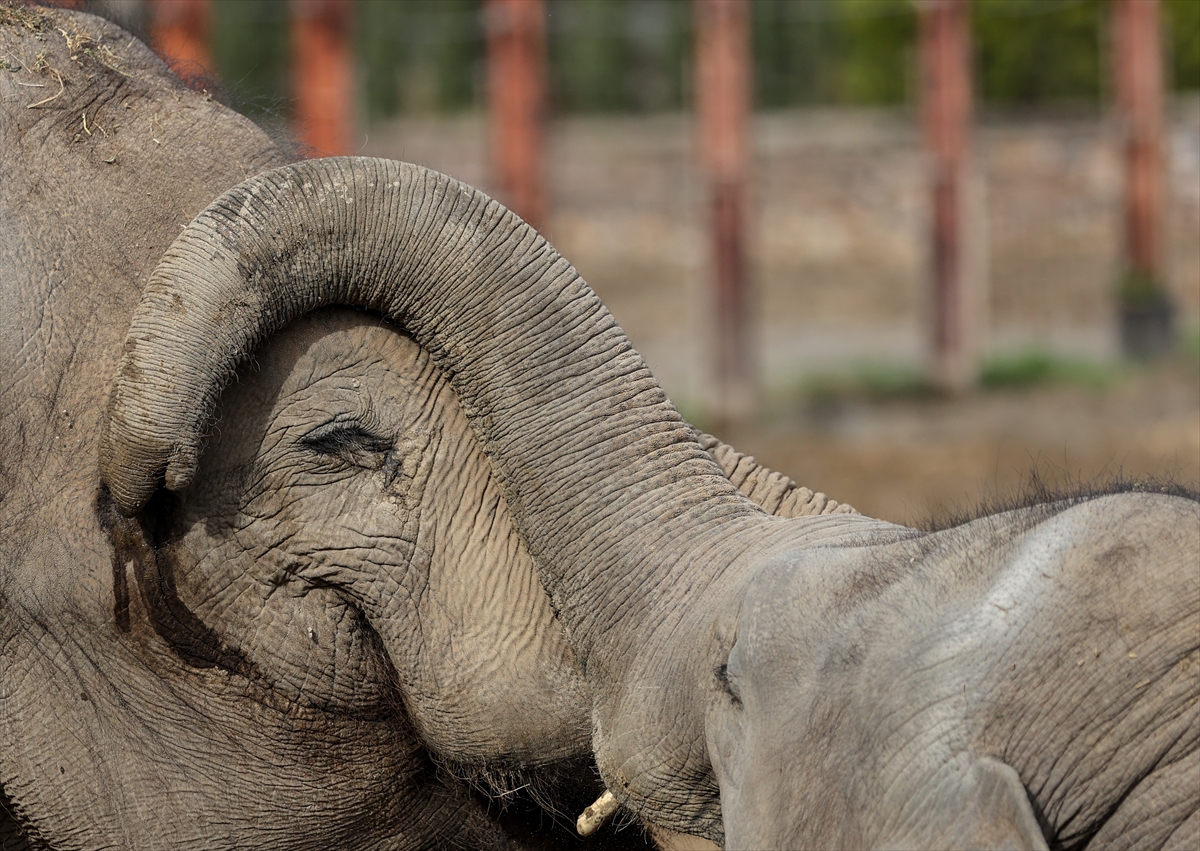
(1145, 309)
(516, 71)
(180, 32)
(945, 54)
(723, 102)
(323, 75)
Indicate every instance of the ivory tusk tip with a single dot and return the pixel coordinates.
(597, 814)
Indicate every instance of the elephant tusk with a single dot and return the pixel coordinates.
(597, 814)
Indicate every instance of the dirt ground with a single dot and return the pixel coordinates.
(909, 460)
(837, 236)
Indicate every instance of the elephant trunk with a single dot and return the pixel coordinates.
(605, 480)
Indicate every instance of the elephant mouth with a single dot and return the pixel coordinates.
(525, 796)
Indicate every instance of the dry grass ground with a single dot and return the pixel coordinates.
(909, 459)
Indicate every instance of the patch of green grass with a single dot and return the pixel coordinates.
(877, 382)
(694, 413)
(870, 381)
(1033, 367)
(1189, 347)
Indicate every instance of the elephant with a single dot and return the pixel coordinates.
(1027, 679)
(156, 677)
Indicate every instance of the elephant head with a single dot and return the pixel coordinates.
(109, 733)
(540, 339)
(343, 497)
(344, 539)
(343, 532)
(736, 661)
(143, 700)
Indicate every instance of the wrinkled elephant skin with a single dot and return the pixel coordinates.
(828, 681)
(1030, 675)
(312, 644)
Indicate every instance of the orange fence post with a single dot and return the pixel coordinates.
(516, 74)
(323, 75)
(180, 31)
(945, 50)
(1145, 310)
(723, 95)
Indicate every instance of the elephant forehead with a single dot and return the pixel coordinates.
(795, 600)
(338, 363)
(343, 346)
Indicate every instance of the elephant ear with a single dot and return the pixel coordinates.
(974, 803)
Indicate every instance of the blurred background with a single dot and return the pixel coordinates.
(909, 252)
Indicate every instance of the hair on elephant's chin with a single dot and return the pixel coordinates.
(561, 788)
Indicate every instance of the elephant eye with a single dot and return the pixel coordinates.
(348, 442)
(722, 674)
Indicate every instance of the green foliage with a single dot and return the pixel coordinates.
(250, 49)
(868, 381)
(1189, 347)
(1183, 42)
(878, 50)
(793, 46)
(1033, 367)
(1033, 51)
(419, 55)
(635, 55)
(587, 55)
(608, 55)
(879, 382)
(832, 51)
(1139, 289)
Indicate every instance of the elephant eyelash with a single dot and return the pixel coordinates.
(344, 440)
(722, 674)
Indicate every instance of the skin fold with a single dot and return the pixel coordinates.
(828, 681)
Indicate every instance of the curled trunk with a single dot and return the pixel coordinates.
(630, 521)
(592, 455)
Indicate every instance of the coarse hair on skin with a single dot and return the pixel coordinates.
(268, 112)
(1056, 491)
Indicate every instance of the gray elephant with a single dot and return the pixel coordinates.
(1027, 679)
(169, 681)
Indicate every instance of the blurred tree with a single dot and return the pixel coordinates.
(420, 55)
(635, 55)
(876, 41)
(793, 52)
(250, 49)
(1183, 43)
(1034, 51)
(587, 55)
(659, 44)
(833, 51)
(608, 55)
